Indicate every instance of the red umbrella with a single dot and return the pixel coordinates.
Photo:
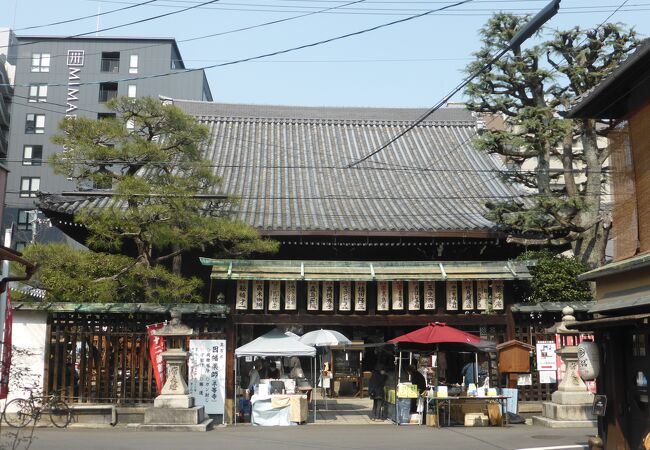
(437, 333)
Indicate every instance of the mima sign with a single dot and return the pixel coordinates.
(75, 63)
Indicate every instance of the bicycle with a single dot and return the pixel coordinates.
(19, 412)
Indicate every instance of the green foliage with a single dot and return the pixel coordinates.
(532, 88)
(555, 278)
(164, 202)
(70, 275)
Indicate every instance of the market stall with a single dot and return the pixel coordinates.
(441, 402)
(280, 401)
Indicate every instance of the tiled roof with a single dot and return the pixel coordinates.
(582, 104)
(288, 167)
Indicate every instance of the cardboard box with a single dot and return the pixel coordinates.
(476, 420)
(407, 390)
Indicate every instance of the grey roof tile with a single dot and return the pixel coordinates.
(288, 167)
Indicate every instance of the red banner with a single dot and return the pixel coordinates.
(157, 345)
(6, 350)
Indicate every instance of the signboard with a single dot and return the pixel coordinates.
(258, 294)
(398, 294)
(547, 377)
(290, 297)
(207, 374)
(360, 295)
(482, 295)
(600, 405)
(525, 379)
(414, 295)
(545, 351)
(242, 294)
(313, 301)
(468, 295)
(328, 296)
(429, 295)
(157, 345)
(382, 296)
(345, 296)
(452, 295)
(274, 295)
(497, 295)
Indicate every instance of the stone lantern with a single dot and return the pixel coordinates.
(571, 404)
(174, 393)
(174, 408)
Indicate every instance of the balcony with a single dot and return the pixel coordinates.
(107, 91)
(110, 62)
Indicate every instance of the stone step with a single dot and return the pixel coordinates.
(205, 425)
(174, 416)
(551, 423)
(567, 412)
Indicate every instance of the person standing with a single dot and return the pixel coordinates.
(254, 377)
(376, 392)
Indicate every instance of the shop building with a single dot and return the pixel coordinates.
(622, 308)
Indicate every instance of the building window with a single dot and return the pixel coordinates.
(23, 221)
(107, 91)
(133, 64)
(29, 186)
(110, 62)
(40, 62)
(131, 90)
(102, 116)
(20, 246)
(37, 93)
(35, 124)
(32, 155)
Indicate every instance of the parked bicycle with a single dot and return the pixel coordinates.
(19, 412)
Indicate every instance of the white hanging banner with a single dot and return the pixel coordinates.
(290, 302)
(207, 374)
(312, 296)
(345, 296)
(328, 296)
(274, 295)
(452, 295)
(482, 295)
(468, 295)
(382, 296)
(497, 295)
(429, 295)
(258, 294)
(398, 294)
(242, 295)
(414, 295)
(360, 295)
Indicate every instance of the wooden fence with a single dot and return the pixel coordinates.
(536, 392)
(104, 358)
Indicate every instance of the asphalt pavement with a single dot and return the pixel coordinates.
(334, 437)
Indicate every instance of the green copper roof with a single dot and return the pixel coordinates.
(123, 308)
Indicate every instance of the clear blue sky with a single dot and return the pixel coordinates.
(412, 64)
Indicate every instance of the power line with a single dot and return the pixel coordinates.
(275, 53)
(147, 19)
(76, 19)
(236, 30)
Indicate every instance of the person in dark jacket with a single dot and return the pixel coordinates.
(376, 392)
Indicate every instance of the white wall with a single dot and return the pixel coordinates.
(28, 355)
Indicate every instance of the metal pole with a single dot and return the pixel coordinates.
(234, 382)
(476, 368)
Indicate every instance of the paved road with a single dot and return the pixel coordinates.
(334, 437)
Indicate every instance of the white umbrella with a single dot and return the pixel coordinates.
(324, 338)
